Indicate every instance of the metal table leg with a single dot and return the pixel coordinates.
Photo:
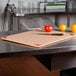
(56, 20)
(68, 20)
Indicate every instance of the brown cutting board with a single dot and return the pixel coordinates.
(38, 38)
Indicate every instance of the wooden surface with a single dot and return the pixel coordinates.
(24, 66)
(38, 38)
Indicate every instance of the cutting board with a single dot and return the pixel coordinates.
(38, 38)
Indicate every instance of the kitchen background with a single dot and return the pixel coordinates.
(62, 19)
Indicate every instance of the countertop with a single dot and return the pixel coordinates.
(8, 49)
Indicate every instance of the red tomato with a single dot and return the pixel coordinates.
(48, 28)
